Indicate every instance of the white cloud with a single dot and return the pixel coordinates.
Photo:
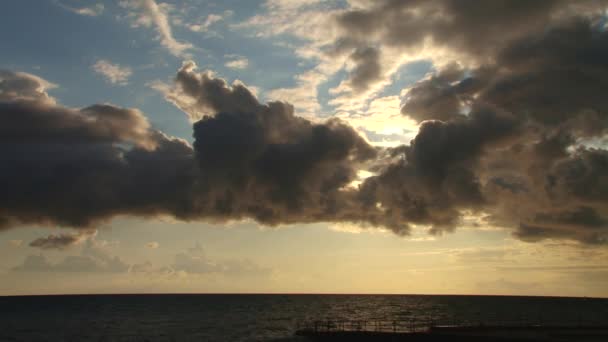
(153, 245)
(315, 23)
(304, 95)
(91, 11)
(196, 28)
(210, 20)
(310, 21)
(148, 13)
(174, 93)
(238, 63)
(113, 73)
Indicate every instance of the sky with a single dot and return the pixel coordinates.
(290, 146)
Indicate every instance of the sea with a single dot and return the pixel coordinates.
(262, 317)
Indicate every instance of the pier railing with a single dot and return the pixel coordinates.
(361, 325)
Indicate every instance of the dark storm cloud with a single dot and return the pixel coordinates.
(581, 177)
(583, 223)
(550, 85)
(367, 68)
(435, 178)
(553, 83)
(477, 30)
(79, 167)
(501, 135)
(555, 80)
(83, 184)
(442, 97)
(36, 122)
(263, 161)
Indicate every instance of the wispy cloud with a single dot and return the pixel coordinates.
(237, 63)
(210, 20)
(195, 261)
(94, 257)
(90, 11)
(113, 73)
(148, 13)
(63, 241)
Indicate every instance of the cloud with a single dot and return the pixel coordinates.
(241, 145)
(148, 13)
(201, 94)
(503, 285)
(367, 68)
(434, 179)
(210, 20)
(34, 263)
(21, 86)
(91, 11)
(36, 121)
(145, 267)
(153, 245)
(237, 63)
(501, 136)
(443, 96)
(365, 43)
(476, 33)
(105, 156)
(93, 258)
(382, 123)
(62, 241)
(538, 178)
(113, 73)
(568, 268)
(264, 162)
(311, 23)
(486, 255)
(249, 160)
(15, 243)
(194, 261)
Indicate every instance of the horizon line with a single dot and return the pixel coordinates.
(293, 294)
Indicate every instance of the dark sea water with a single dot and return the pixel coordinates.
(262, 317)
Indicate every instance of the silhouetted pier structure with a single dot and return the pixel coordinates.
(429, 330)
(361, 325)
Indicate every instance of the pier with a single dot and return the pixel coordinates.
(412, 330)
